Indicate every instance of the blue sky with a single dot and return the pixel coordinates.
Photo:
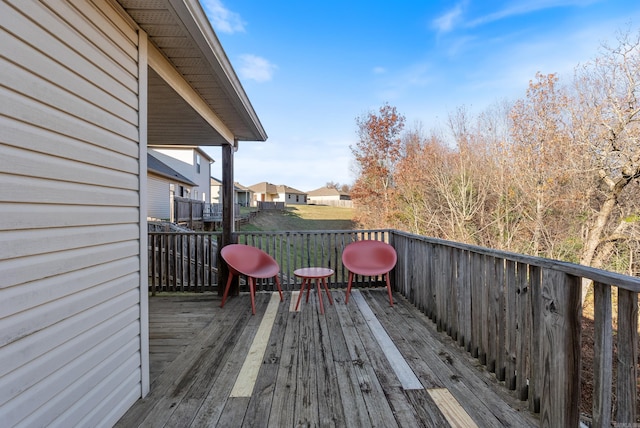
(311, 68)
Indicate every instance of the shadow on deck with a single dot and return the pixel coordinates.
(361, 364)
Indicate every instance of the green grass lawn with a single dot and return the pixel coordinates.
(302, 217)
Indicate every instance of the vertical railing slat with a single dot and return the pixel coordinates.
(510, 314)
(627, 378)
(560, 349)
(523, 332)
(603, 355)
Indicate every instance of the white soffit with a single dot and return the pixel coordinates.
(179, 108)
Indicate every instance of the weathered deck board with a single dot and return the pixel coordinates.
(472, 386)
(321, 370)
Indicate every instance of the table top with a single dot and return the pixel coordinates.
(313, 272)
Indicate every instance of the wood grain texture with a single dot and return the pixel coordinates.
(322, 370)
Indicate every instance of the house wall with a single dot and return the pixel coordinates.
(324, 198)
(184, 161)
(291, 198)
(216, 194)
(242, 198)
(72, 315)
(262, 197)
(158, 198)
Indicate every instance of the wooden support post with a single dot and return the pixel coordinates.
(228, 220)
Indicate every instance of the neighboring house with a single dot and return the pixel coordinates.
(191, 162)
(329, 196)
(243, 194)
(163, 183)
(216, 190)
(267, 192)
(86, 87)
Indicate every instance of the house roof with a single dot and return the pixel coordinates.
(158, 167)
(327, 191)
(181, 32)
(264, 187)
(241, 188)
(272, 189)
(286, 189)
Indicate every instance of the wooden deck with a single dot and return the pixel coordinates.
(363, 364)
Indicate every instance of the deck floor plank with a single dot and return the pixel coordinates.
(199, 378)
(283, 403)
(440, 360)
(330, 403)
(348, 396)
(363, 348)
(260, 405)
(453, 369)
(217, 403)
(162, 387)
(317, 370)
(306, 410)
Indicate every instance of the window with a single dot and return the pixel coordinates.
(198, 163)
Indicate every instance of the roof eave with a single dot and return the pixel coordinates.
(199, 27)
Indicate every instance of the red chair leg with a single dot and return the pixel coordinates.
(226, 290)
(252, 291)
(279, 288)
(349, 287)
(389, 289)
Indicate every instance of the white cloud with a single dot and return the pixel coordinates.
(379, 70)
(446, 22)
(256, 68)
(222, 19)
(524, 7)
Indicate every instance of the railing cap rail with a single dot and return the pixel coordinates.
(627, 282)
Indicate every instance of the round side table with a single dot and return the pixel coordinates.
(317, 273)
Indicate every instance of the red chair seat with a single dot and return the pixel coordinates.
(369, 258)
(251, 262)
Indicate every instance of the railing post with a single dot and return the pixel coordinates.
(602, 355)
(627, 380)
(560, 346)
(228, 223)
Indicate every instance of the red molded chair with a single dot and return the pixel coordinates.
(251, 262)
(369, 258)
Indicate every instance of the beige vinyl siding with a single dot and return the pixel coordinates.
(70, 247)
(158, 198)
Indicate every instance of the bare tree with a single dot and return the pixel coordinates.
(607, 128)
(418, 205)
(542, 153)
(507, 201)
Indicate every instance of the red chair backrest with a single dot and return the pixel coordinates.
(369, 257)
(249, 261)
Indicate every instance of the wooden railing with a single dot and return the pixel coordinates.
(296, 249)
(188, 211)
(520, 316)
(183, 261)
(214, 211)
(189, 261)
